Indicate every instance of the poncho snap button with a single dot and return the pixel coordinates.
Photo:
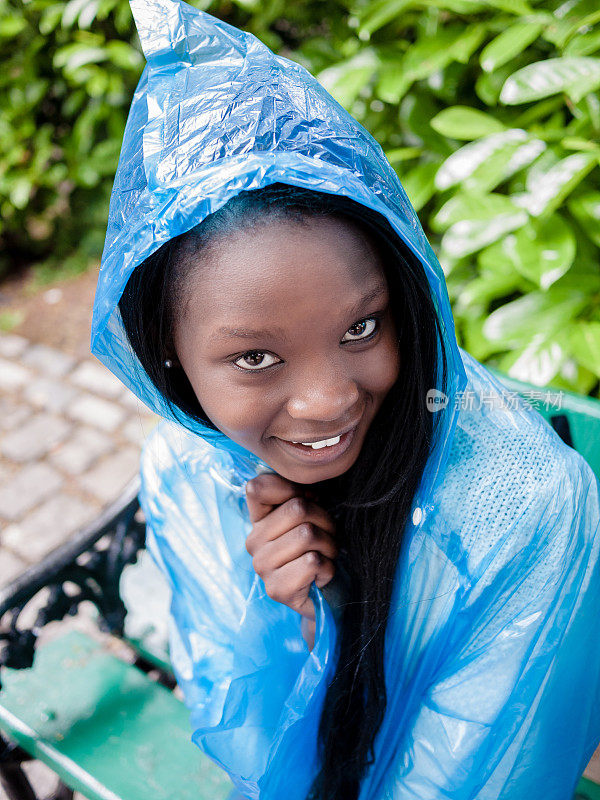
(417, 516)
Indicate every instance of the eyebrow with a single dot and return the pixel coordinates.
(379, 289)
(252, 333)
(248, 333)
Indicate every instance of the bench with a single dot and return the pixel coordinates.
(99, 711)
(104, 712)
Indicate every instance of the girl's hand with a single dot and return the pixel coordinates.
(291, 541)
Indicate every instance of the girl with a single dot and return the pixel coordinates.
(378, 590)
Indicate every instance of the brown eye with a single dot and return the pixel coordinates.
(255, 360)
(361, 329)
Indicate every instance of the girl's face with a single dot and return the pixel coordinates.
(286, 336)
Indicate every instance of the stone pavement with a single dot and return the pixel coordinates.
(70, 439)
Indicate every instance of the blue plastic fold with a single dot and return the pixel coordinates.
(492, 654)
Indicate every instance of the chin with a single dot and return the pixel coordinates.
(315, 474)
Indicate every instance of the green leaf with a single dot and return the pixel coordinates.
(88, 14)
(575, 76)
(50, 18)
(399, 154)
(538, 111)
(346, 79)
(546, 191)
(105, 156)
(508, 44)
(487, 287)
(481, 165)
(123, 55)
(87, 175)
(568, 16)
(489, 84)
(584, 275)
(416, 111)
(537, 362)
(584, 44)
(20, 191)
(512, 6)
(97, 82)
(574, 378)
(475, 341)
(518, 322)
(378, 14)
(586, 209)
(393, 81)
(462, 122)
(574, 143)
(12, 26)
(76, 7)
(581, 25)
(74, 56)
(471, 235)
(457, 6)
(426, 56)
(471, 206)
(477, 6)
(419, 184)
(585, 344)
(541, 251)
(592, 102)
(466, 44)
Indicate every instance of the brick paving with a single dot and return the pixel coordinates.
(70, 438)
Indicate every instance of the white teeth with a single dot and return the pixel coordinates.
(319, 445)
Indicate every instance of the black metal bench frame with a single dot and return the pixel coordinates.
(92, 562)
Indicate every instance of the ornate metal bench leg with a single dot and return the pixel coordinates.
(62, 792)
(12, 778)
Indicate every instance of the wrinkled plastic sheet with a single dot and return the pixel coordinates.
(492, 654)
(492, 661)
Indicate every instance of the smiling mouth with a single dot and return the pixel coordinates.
(321, 452)
(321, 443)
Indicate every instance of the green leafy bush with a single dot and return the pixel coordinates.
(64, 91)
(69, 69)
(489, 111)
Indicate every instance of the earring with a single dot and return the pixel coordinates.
(168, 363)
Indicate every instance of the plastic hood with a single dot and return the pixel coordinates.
(215, 113)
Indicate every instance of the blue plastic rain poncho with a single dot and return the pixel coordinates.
(493, 654)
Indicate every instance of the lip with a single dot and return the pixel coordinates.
(325, 454)
(322, 438)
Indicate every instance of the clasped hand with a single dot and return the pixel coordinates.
(291, 542)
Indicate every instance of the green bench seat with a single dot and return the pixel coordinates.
(587, 790)
(104, 727)
(111, 733)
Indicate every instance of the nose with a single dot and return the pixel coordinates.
(324, 395)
